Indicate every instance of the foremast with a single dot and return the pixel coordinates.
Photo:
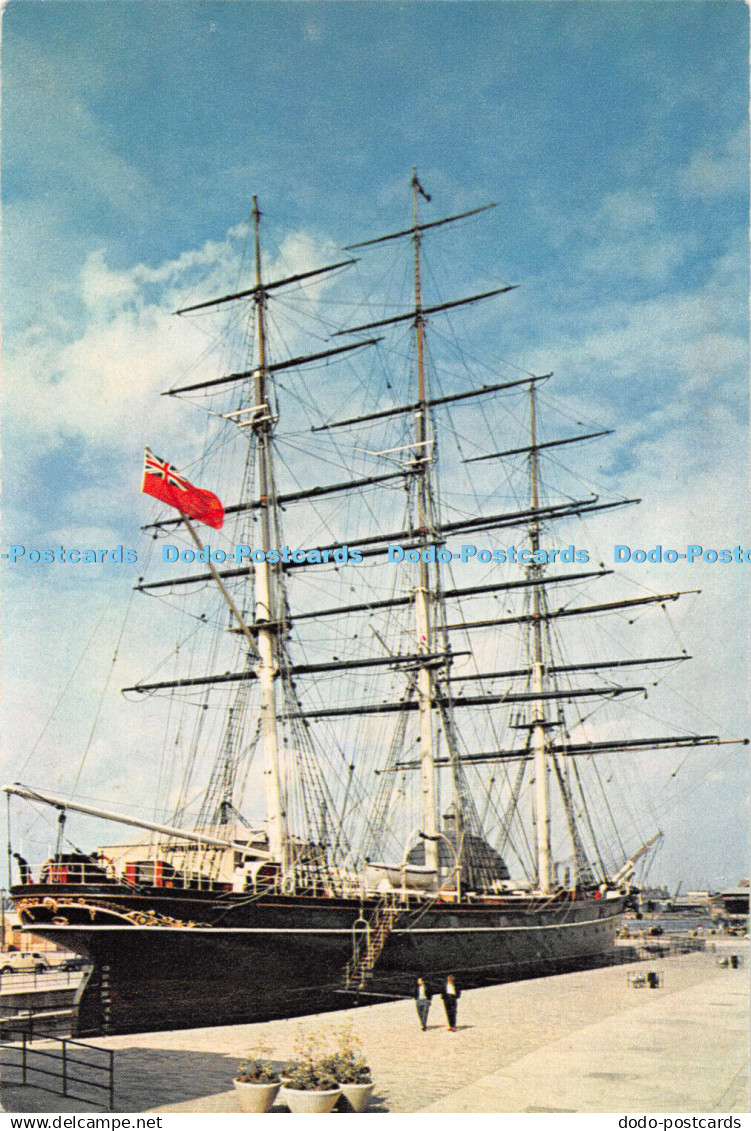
(266, 659)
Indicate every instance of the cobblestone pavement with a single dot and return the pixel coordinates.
(514, 1045)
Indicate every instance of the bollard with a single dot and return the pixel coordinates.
(734, 961)
(653, 979)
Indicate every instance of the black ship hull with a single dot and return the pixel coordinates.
(278, 956)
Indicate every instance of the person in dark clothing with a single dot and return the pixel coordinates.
(423, 997)
(450, 994)
(23, 868)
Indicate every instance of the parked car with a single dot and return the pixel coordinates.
(24, 962)
(73, 964)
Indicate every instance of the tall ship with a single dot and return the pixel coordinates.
(388, 671)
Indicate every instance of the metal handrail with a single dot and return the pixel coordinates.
(66, 1059)
(52, 979)
(361, 948)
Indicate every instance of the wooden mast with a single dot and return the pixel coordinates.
(265, 603)
(539, 723)
(422, 458)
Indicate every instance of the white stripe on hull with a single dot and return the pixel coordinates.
(566, 925)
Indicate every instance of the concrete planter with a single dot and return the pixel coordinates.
(255, 1098)
(355, 1097)
(310, 1103)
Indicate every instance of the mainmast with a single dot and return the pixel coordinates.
(539, 722)
(421, 463)
(265, 618)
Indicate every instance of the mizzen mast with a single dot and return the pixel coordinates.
(539, 723)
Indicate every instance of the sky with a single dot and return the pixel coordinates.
(614, 140)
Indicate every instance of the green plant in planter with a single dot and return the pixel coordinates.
(309, 1069)
(347, 1065)
(310, 1076)
(256, 1070)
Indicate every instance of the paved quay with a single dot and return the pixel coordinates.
(582, 1042)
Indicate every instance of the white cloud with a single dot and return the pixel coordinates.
(628, 209)
(644, 257)
(100, 385)
(102, 288)
(683, 353)
(718, 169)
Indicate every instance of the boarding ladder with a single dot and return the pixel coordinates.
(368, 948)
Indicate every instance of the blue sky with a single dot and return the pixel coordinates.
(612, 136)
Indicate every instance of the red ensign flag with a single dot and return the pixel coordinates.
(161, 480)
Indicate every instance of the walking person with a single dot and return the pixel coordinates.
(423, 997)
(450, 994)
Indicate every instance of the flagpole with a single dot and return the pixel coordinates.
(220, 583)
